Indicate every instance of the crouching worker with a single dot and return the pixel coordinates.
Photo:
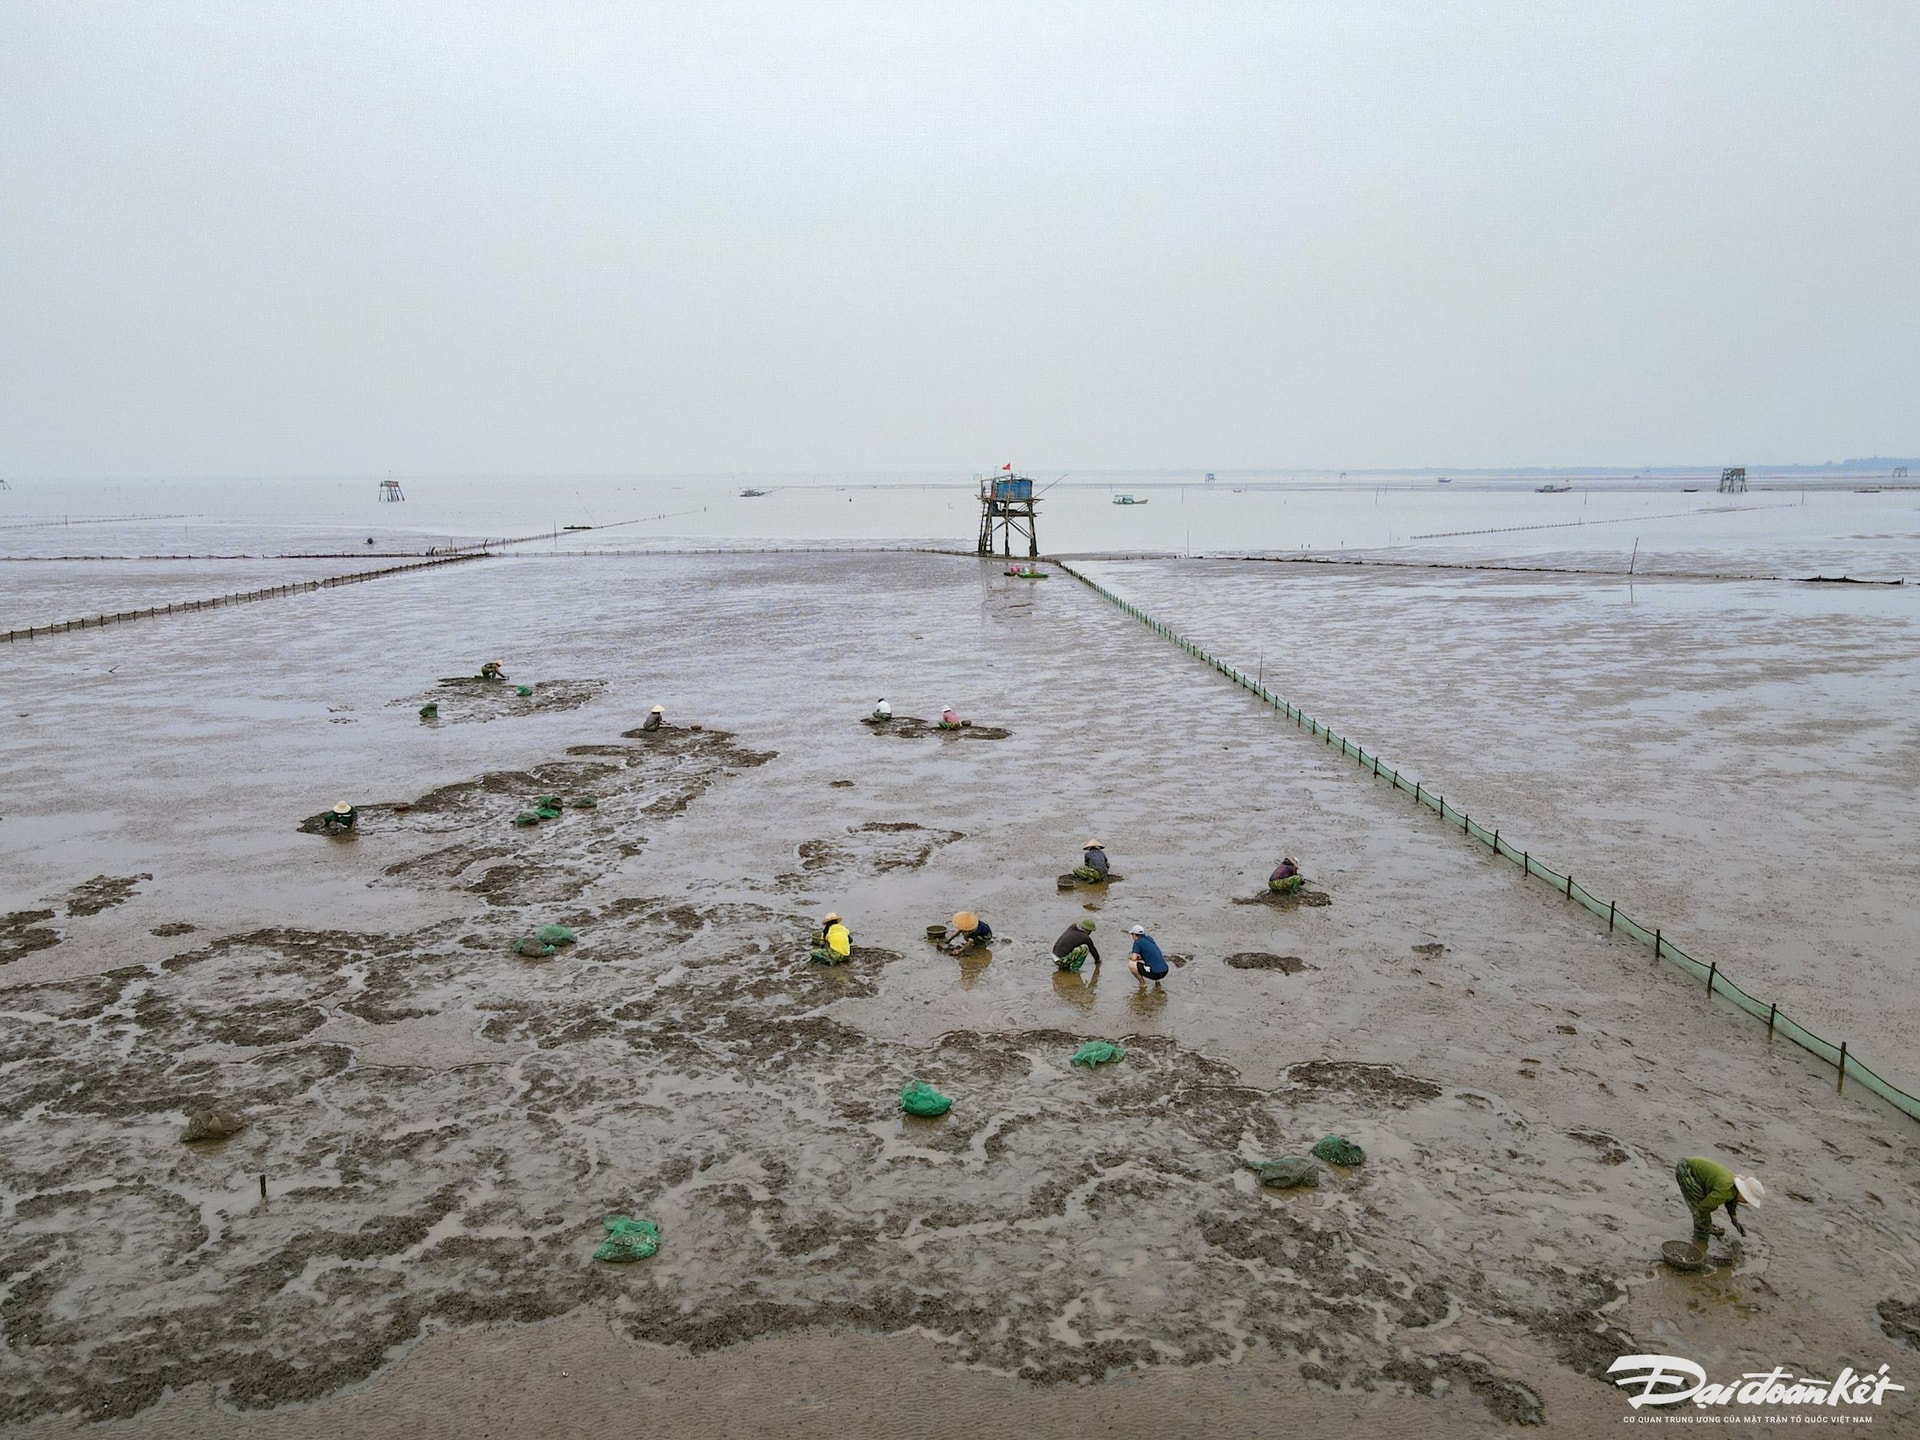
(1093, 866)
(492, 671)
(1146, 962)
(1285, 878)
(1706, 1185)
(949, 719)
(1075, 946)
(655, 717)
(836, 945)
(969, 931)
(882, 711)
(341, 817)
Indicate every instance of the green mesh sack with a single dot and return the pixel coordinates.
(526, 817)
(549, 802)
(1338, 1150)
(1097, 1052)
(628, 1239)
(1072, 960)
(921, 1098)
(823, 956)
(1087, 872)
(523, 690)
(1287, 1173)
(547, 812)
(1288, 885)
(555, 935)
(584, 802)
(532, 948)
(430, 711)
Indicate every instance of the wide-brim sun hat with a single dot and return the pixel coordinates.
(1093, 845)
(342, 808)
(659, 710)
(965, 920)
(1750, 1190)
(1085, 924)
(830, 917)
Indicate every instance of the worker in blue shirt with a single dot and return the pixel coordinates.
(1146, 962)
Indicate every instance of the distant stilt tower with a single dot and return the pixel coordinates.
(390, 490)
(1733, 480)
(1008, 504)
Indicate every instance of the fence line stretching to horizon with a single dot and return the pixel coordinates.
(270, 592)
(1847, 1065)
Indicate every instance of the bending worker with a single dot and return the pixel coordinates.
(341, 817)
(1094, 858)
(836, 944)
(949, 720)
(969, 930)
(882, 711)
(654, 718)
(1287, 869)
(1146, 962)
(1706, 1185)
(1075, 945)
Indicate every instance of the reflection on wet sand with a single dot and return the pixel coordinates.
(1077, 988)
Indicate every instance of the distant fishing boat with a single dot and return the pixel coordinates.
(1128, 500)
(751, 494)
(576, 527)
(1446, 480)
(1552, 489)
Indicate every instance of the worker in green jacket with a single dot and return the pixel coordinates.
(1706, 1185)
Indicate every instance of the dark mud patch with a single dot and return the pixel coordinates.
(1506, 1400)
(1607, 1150)
(912, 727)
(172, 928)
(552, 862)
(25, 931)
(1433, 949)
(1301, 899)
(1261, 960)
(103, 892)
(467, 699)
(1900, 1319)
(878, 847)
(1385, 1085)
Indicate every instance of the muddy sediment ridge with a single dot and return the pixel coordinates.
(443, 1125)
(467, 699)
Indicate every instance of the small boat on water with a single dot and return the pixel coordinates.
(1552, 489)
(1446, 479)
(1026, 573)
(576, 527)
(751, 494)
(1128, 500)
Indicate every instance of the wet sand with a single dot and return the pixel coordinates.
(443, 1123)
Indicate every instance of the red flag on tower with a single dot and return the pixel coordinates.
(1007, 466)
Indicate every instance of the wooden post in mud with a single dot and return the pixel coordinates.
(1656, 944)
(1772, 1010)
(1713, 973)
(1841, 1088)
(1610, 905)
(263, 1187)
(1569, 884)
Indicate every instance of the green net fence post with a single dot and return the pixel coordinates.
(1713, 973)
(1841, 1087)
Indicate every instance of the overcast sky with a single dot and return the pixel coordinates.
(612, 238)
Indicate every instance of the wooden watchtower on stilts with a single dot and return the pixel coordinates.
(390, 490)
(1733, 480)
(1007, 504)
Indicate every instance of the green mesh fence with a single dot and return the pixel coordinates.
(1709, 975)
